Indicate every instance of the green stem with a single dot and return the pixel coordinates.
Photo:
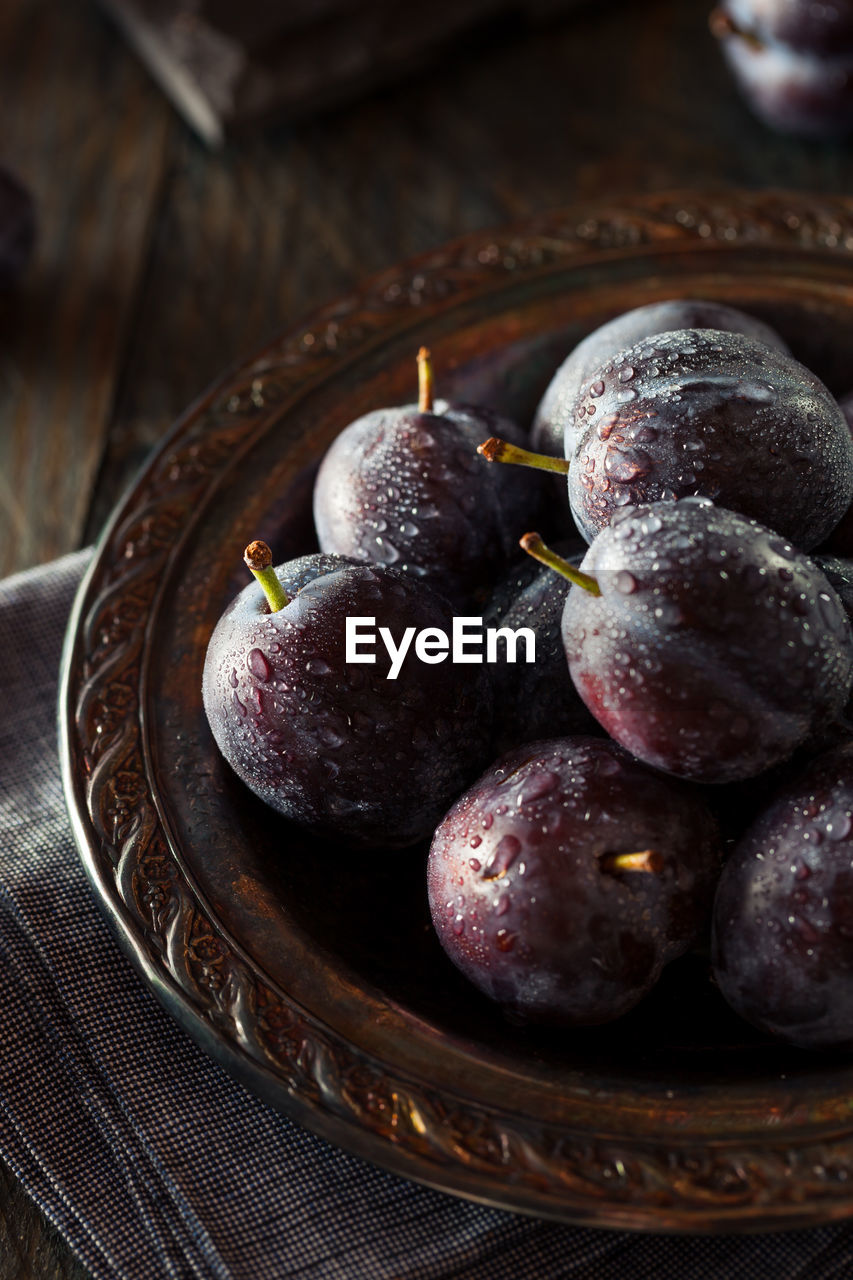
(496, 450)
(534, 546)
(258, 558)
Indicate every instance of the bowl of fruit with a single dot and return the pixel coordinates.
(496, 821)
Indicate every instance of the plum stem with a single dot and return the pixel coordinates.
(495, 450)
(722, 26)
(534, 546)
(258, 558)
(425, 381)
(643, 860)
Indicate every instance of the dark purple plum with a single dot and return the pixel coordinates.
(714, 648)
(840, 540)
(332, 745)
(555, 425)
(17, 228)
(839, 574)
(845, 404)
(821, 27)
(534, 700)
(716, 414)
(796, 75)
(405, 487)
(748, 798)
(566, 878)
(782, 945)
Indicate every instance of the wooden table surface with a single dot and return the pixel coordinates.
(160, 263)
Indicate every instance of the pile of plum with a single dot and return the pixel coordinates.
(677, 765)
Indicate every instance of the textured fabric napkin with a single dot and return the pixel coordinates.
(154, 1163)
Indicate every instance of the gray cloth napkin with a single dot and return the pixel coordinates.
(154, 1163)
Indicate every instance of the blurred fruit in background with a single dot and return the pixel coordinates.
(793, 61)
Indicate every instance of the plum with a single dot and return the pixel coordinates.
(840, 540)
(716, 414)
(337, 746)
(555, 426)
(821, 27)
(699, 412)
(792, 60)
(537, 699)
(404, 487)
(782, 948)
(704, 642)
(565, 879)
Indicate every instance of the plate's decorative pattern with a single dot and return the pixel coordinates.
(450, 1140)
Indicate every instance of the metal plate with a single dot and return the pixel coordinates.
(312, 973)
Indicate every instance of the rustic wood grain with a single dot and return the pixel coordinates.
(160, 264)
(30, 1247)
(86, 132)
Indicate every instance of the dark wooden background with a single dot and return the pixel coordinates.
(160, 263)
